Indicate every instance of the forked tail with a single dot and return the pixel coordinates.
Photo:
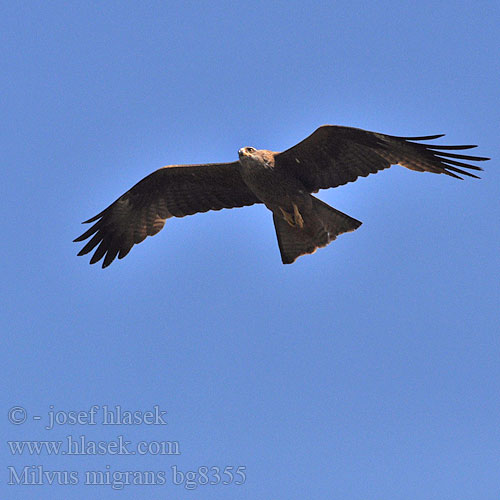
(320, 227)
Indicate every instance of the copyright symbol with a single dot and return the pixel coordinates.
(17, 415)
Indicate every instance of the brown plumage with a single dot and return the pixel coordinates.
(330, 157)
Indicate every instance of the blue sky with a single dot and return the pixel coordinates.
(368, 370)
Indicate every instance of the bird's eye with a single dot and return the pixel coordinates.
(251, 150)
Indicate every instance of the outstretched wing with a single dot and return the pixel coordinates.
(173, 191)
(334, 155)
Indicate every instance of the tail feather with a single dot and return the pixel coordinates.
(321, 227)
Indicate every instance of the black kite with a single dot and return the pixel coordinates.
(330, 157)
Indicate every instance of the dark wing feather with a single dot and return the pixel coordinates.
(335, 155)
(173, 191)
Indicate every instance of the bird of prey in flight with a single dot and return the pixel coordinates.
(330, 157)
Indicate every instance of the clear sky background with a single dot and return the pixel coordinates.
(369, 370)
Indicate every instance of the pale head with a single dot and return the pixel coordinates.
(247, 151)
(249, 155)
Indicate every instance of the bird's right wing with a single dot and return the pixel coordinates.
(173, 191)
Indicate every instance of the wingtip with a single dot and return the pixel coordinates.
(96, 217)
(423, 137)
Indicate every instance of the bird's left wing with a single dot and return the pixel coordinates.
(335, 155)
(173, 191)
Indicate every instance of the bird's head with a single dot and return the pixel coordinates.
(246, 152)
(252, 157)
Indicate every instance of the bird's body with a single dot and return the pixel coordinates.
(271, 185)
(283, 182)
